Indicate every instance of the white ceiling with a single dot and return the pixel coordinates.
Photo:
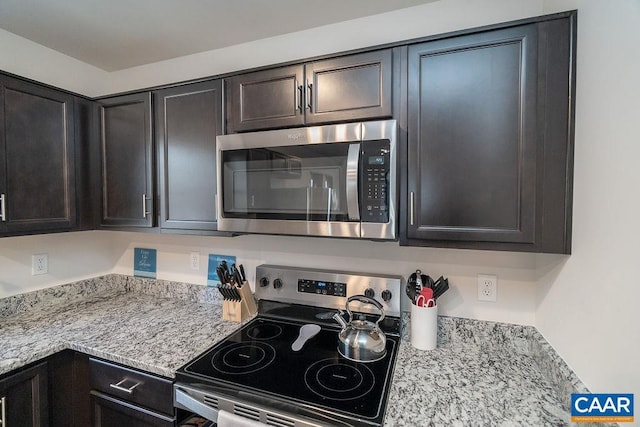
(118, 34)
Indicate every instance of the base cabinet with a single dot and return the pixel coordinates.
(110, 412)
(125, 397)
(23, 398)
(69, 389)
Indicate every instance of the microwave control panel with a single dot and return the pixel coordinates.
(375, 165)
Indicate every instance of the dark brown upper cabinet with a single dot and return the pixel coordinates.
(349, 88)
(354, 87)
(37, 158)
(265, 99)
(188, 119)
(489, 155)
(127, 161)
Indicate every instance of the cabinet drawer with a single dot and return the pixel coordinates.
(110, 412)
(136, 387)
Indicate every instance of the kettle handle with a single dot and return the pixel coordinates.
(366, 300)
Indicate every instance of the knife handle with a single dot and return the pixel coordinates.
(242, 275)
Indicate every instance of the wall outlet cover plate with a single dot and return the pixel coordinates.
(39, 264)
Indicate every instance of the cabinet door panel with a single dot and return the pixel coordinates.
(39, 158)
(349, 88)
(25, 398)
(69, 389)
(127, 161)
(265, 99)
(110, 412)
(188, 120)
(472, 137)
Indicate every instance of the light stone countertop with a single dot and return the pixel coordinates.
(467, 385)
(150, 333)
(482, 373)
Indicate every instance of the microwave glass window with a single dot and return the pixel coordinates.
(294, 182)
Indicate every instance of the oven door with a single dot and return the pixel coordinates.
(293, 188)
(208, 403)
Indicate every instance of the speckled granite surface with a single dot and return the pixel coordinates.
(482, 373)
(118, 318)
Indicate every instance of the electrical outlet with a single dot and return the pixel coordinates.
(39, 264)
(487, 287)
(194, 260)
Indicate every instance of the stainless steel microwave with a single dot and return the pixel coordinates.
(332, 181)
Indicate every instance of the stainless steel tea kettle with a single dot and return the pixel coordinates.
(361, 340)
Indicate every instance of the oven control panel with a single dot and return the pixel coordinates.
(321, 287)
(328, 288)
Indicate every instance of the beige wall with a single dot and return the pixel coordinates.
(34, 61)
(585, 304)
(588, 306)
(28, 59)
(72, 256)
(516, 293)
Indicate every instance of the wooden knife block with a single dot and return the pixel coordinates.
(239, 311)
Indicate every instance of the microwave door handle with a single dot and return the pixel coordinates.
(353, 163)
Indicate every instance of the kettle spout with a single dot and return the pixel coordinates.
(338, 318)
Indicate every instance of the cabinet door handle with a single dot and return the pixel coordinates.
(299, 95)
(310, 97)
(144, 205)
(411, 207)
(119, 386)
(3, 217)
(3, 417)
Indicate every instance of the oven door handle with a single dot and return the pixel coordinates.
(191, 404)
(353, 166)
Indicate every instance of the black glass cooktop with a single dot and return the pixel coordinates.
(259, 358)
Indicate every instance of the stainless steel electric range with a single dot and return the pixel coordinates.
(257, 373)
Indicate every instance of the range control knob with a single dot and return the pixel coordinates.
(264, 282)
(277, 284)
(386, 295)
(369, 293)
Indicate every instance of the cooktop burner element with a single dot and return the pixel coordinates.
(264, 331)
(339, 380)
(316, 375)
(243, 358)
(259, 373)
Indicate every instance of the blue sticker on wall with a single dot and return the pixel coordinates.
(144, 262)
(214, 261)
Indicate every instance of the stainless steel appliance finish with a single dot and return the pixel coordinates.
(342, 191)
(257, 372)
(279, 283)
(361, 340)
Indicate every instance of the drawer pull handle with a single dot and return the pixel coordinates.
(119, 386)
